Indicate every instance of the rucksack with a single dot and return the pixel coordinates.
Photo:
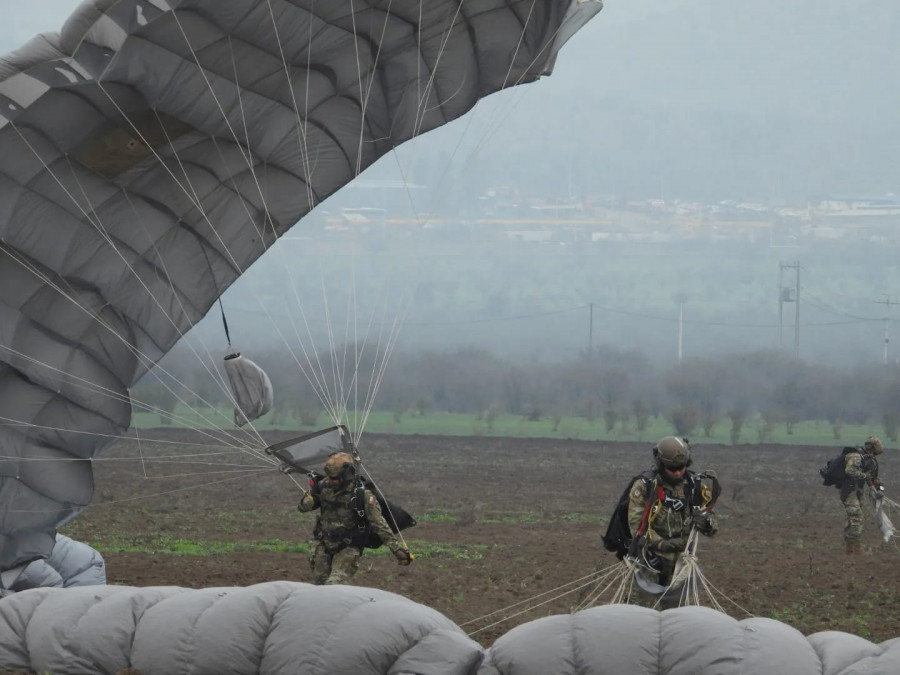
(618, 534)
(396, 516)
(834, 473)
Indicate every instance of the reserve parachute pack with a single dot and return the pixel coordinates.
(702, 491)
(834, 473)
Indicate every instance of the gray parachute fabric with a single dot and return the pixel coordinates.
(276, 628)
(152, 150)
(251, 389)
(692, 640)
(71, 563)
(282, 628)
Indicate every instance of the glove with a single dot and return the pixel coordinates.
(666, 546)
(404, 557)
(878, 486)
(703, 522)
(637, 545)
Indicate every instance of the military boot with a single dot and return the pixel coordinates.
(854, 548)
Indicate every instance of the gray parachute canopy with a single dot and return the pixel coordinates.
(153, 149)
(280, 628)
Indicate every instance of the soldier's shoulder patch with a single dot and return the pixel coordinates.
(372, 500)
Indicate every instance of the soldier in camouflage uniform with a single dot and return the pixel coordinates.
(339, 538)
(664, 506)
(861, 469)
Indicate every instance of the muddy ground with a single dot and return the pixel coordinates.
(501, 521)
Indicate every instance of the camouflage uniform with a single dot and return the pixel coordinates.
(861, 469)
(336, 548)
(670, 520)
(663, 507)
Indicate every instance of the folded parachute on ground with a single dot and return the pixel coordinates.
(71, 563)
(283, 627)
(153, 149)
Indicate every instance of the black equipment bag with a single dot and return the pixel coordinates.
(834, 473)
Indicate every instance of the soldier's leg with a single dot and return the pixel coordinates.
(666, 571)
(320, 563)
(853, 509)
(344, 565)
(662, 577)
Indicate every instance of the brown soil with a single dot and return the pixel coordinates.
(528, 517)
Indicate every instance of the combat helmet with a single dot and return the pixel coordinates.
(874, 446)
(341, 465)
(672, 452)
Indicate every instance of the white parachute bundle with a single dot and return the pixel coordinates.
(251, 388)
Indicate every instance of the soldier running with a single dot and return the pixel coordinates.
(340, 532)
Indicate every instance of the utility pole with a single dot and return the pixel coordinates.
(789, 294)
(591, 331)
(887, 302)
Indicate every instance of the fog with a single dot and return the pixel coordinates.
(689, 145)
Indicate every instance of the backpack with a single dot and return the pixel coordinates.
(396, 516)
(618, 535)
(834, 473)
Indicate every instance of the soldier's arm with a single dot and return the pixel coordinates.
(637, 500)
(379, 524)
(854, 469)
(309, 502)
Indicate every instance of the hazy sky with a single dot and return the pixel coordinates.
(769, 101)
(775, 101)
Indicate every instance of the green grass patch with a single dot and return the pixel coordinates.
(193, 547)
(200, 547)
(568, 427)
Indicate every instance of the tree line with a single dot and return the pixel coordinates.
(616, 386)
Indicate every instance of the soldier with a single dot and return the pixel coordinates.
(340, 534)
(665, 504)
(861, 469)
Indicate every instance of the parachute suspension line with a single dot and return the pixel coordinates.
(580, 583)
(422, 104)
(137, 435)
(338, 411)
(512, 61)
(390, 514)
(618, 576)
(90, 215)
(366, 92)
(314, 379)
(498, 118)
(302, 136)
(91, 386)
(381, 369)
(528, 609)
(195, 200)
(247, 472)
(9, 421)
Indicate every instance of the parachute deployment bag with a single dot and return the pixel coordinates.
(834, 473)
